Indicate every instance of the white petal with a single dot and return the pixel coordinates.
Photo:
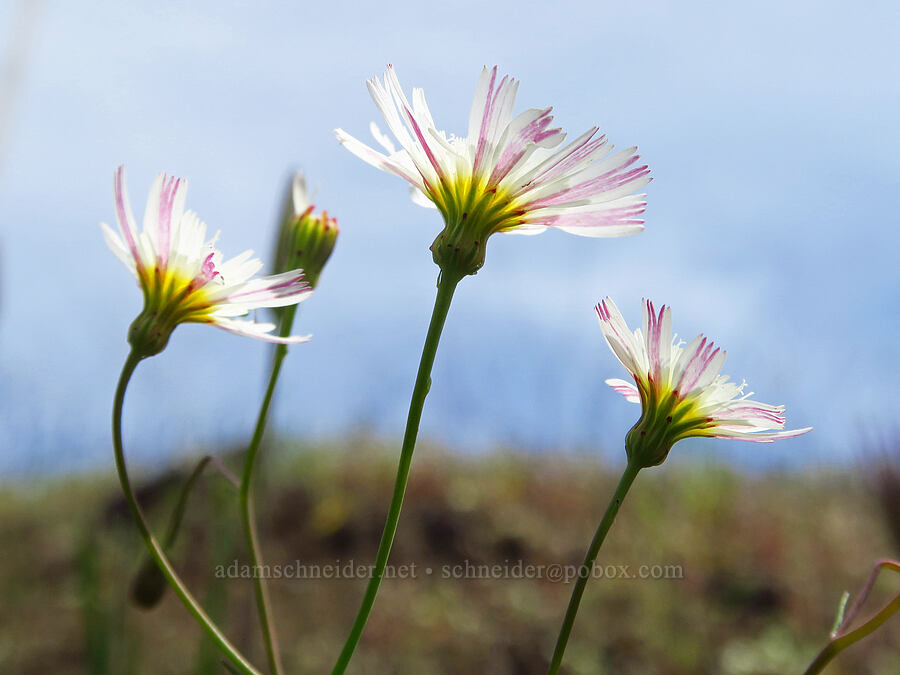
(526, 229)
(261, 331)
(476, 113)
(620, 340)
(420, 198)
(299, 194)
(758, 437)
(118, 248)
(376, 159)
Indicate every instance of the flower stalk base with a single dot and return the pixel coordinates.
(628, 476)
(239, 662)
(447, 283)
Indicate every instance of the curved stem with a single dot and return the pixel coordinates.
(840, 641)
(837, 645)
(862, 596)
(628, 476)
(241, 663)
(248, 518)
(446, 286)
(822, 659)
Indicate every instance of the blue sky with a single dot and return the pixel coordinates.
(771, 130)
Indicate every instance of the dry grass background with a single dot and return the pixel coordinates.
(764, 559)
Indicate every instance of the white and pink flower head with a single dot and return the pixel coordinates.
(506, 175)
(183, 276)
(680, 388)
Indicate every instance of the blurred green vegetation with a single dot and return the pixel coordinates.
(764, 559)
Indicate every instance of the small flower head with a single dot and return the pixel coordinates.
(680, 388)
(506, 175)
(305, 239)
(183, 276)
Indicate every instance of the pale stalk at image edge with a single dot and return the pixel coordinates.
(156, 551)
(841, 638)
(446, 286)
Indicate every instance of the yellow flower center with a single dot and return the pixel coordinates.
(472, 212)
(175, 296)
(170, 298)
(666, 418)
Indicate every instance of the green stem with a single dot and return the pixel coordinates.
(836, 646)
(246, 500)
(241, 663)
(446, 286)
(823, 659)
(628, 476)
(839, 642)
(149, 584)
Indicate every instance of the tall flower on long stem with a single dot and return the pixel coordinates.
(506, 175)
(184, 280)
(682, 394)
(305, 240)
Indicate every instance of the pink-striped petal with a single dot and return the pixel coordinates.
(524, 135)
(124, 217)
(626, 389)
(276, 290)
(171, 204)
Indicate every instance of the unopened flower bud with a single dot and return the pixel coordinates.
(305, 239)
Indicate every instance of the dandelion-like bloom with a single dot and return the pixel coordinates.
(680, 388)
(506, 175)
(183, 276)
